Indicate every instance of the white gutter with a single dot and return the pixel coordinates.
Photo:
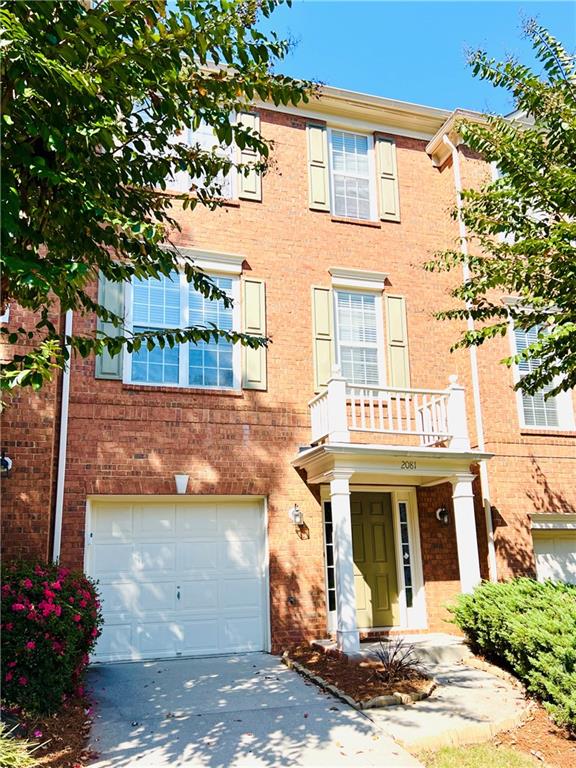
(492, 563)
(62, 446)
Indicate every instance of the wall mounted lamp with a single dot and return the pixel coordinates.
(181, 483)
(5, 465)
(442, 515)
(295, 514)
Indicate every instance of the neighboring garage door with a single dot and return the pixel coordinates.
(555, 553)
(178, 579)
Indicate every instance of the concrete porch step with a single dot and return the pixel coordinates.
(432, 648)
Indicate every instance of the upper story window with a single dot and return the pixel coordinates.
(171, 302)
(352, 175)
(536, 410)
(205, 139)
(358, 336)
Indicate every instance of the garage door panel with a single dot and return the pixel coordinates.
(113, 523)
(112, 558)
(154, 520)
(199, 595)
(197, 521)
(154, 556)
(197, 556)
(200, 636)
(240, 595)
(239, 557)
(179, 579)
(555, 556)
(239, 633)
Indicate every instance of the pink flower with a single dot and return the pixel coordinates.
(71, 600)
(6, 589)
(56, 585)
(58, 610)
(11, 663)
(37, 733)
(83, 603)
(76, 617)
(23, 680)
(38, 571)
(30, 645)
(94, 632)
(27, 583)
(8, 676)
(49, 594)
(9, 627)
(18, 607)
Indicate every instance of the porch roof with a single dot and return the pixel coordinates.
(388, 464)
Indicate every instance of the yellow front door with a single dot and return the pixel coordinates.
(374, 560)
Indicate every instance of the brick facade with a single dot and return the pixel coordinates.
(129, 439)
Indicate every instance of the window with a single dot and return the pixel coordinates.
(171, 302)
(358, 332)
(329, 553)
(352, 175)
(536, 411)
(204, 136)
(406, 553)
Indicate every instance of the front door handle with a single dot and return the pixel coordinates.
(177, 593)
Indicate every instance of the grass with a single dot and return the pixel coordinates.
(14, 752)
(478, 756)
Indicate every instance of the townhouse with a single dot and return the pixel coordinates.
(348, 481)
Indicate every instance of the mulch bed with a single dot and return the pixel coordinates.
(539, 737)
(64, 736)
(356, 680)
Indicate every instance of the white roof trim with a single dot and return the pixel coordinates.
(357, 278)
(554, 522)
(213, 261)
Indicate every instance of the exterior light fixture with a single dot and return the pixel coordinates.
(295, 514)
(5, 465)
(442, 515)
(181, 483)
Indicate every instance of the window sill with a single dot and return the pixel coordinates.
(357, 222)
(543, 432)
(182, 390)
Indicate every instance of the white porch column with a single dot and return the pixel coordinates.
(337, 414)
(347, 636)
(466, 542)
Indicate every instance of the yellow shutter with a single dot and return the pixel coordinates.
(254, 323)
(110, 296)
(318, 186)
(387, 176)
(397, 341)
(250, 186)
(322, 330)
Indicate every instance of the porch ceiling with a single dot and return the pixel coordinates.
(390, 465)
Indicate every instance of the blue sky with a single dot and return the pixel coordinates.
(414, 51)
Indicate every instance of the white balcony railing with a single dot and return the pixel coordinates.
(432, 416)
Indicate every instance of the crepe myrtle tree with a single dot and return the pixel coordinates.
(521, 227)
(94, 94)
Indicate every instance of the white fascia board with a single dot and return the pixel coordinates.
(367, 449)
(357, 278)
(214, 261)
(553, 522)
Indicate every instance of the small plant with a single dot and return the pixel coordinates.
(398, 661)
(15, 752)
(51, 620)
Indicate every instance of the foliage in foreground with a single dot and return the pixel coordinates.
(522, 226)
(399, 661)
(51, 619)
(478, 756)
(529, 628)
(95, 97)
(14, 752)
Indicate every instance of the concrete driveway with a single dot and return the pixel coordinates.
(245, 710)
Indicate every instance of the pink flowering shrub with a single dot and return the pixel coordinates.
(51, 619)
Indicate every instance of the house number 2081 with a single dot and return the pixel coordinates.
(408, 465)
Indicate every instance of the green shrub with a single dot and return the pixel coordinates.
(529, 628)
(51, 620)
(14, 752)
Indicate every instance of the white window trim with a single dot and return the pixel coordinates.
(563, 521)
(380, 342)
(563, 400)
(360, 279)
(183, 382)
(371, 174)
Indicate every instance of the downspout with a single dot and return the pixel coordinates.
(62, 446)
(492, 564)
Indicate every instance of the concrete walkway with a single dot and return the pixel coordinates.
(244, 711)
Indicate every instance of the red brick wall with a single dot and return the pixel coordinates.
(131, 440)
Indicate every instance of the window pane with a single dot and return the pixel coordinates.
(160, 366)
(156, 302)
(211, 362)
(357, 337)
(351, 175)
(538, 411)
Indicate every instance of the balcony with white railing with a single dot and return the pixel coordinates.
(345, 413)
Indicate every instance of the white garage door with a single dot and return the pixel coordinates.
(178, 578)
(555, 555)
